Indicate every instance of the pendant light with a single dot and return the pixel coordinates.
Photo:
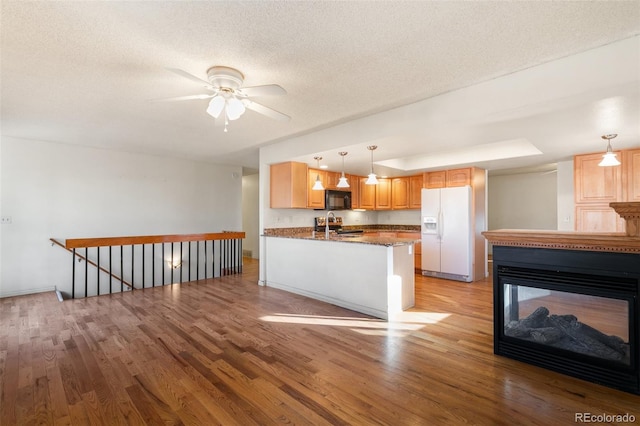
(317, 186)
(372, 179)
(609, 158)
(342, 182)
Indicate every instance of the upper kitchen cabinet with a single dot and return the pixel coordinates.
(367, 194)
(595, 184)
(400, 193)
(435, 179)
(595, 187)
(331, 181)
(448, 178)
(383, 194)
(415, 191)
(354, 187)
(631, 174)
(288, 185)
(459, 177)
(315, 198)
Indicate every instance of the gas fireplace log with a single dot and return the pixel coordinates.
(566, 332)
(523, 327)
(581, 342)
(547, 335)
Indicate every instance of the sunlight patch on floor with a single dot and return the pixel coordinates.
(400, 325)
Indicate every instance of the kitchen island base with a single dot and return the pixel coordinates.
(374, 279)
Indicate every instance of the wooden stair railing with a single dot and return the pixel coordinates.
(89, 261)
(227, 246)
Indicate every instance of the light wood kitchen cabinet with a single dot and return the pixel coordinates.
(367, 195)
(458, 177)
(331, 180)
(595, 187)
(315, 199)
(435, 179)
(415, 191)
(354, 187)
(598, 218)
(631, 174)
(288, 185)
(383, 194)
(400, 193)
(595, 184)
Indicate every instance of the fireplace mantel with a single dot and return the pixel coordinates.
(564, 240)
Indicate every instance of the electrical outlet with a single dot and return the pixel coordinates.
(5, 220)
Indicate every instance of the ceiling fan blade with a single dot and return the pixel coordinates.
(191, 77)
(272, 113)
(184, 98)
(266, 90)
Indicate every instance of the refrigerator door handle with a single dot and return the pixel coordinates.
(440, 224)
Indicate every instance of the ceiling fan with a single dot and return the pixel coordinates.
(229, 99)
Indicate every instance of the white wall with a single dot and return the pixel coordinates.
(250, 212)
(66, 191)
(523, 201)
(566, 198)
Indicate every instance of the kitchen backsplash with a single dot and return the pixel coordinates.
(292, 218)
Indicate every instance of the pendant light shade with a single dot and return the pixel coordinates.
(372, 179)
(342, 182)
(609, 158)
(317, 186)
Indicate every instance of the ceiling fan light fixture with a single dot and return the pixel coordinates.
(234, 108)
(609, 158)
(342, 182)
(216, 106)
(372, 179)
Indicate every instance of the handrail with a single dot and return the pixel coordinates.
(216, 254)
(90, 262)
(150, 239)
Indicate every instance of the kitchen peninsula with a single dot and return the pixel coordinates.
(371, 274)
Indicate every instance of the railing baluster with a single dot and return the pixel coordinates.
(153, 265)
(189, 261)
(163, 263)
(110, 273)
(98, 271)
(121, 269)
(171, 264)
(143, 265)
(205, 259)
(197, 260)
(132, 263)
(86, 271)
(181, 265)
(73, 275)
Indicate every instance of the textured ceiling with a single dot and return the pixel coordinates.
(84, 72)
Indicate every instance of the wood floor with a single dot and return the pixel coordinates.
(227, 351)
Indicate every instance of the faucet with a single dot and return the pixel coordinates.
(326, 223)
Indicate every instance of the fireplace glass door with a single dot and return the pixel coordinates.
(585, 324)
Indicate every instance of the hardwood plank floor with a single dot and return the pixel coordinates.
(227, 351)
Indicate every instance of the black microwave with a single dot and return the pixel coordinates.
(337, 200)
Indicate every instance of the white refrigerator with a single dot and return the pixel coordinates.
(447, 233)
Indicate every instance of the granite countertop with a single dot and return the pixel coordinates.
(351, 238)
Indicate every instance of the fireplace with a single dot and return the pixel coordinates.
(571, 311)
